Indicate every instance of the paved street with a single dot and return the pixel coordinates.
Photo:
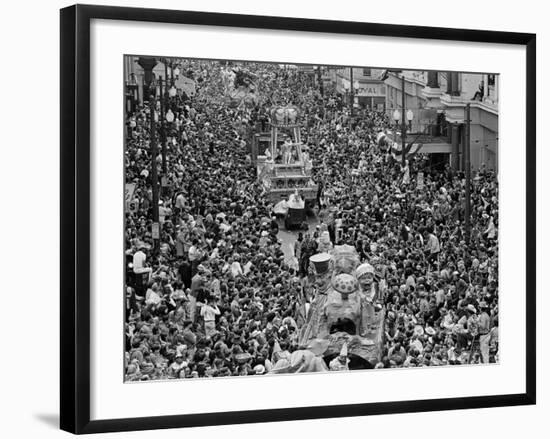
(288, 237)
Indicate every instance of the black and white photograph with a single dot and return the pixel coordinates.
(271, 220)
(292, 218)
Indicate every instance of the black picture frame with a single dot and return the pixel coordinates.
(75, 217)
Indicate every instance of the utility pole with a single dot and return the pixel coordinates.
(148, 64)
(163, 126)
(165, 98)
(403, 124)
(351, 92)
(166, 69)
(171, 73)
(320, 80)
(154, 176)
(467, 176)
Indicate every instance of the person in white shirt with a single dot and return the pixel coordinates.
(406, 174)
(178, 365)
(224, 226)
(164, 211)
(180, 201)
(432, 245)
(209, 313)
(152, 297)
(247, 268)
(195, 254)
(236, 269)
(138, 262)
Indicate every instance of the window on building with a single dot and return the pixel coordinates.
(433, 81)
(491, 85)
(453, 84)
(367, 72)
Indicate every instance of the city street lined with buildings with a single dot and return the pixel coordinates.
(291, 218)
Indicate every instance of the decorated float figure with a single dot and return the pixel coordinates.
(287, 151)
(309, 359)
(284, 168)
(318, 286)
(369, 291)
(341, 362)
(344, 310)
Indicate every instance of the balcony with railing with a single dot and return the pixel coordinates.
(434, 137)
(463, 88)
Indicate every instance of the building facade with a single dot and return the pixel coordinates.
(448, 93)
(415, 101)
(135, 75)
(438, 101)
(135, 79)
(364, 85)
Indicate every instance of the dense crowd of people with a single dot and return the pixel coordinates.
(215, 295)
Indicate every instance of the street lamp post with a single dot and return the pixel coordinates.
(147, 64)
(171, 73)
(396, 119)
(164, 97)
(149, 87)
(467, 176)
(172, 92)
(320, 81)
(163, 125)
(166, 69)
(169, 116)
(351, 96)
(404, 116)
(355, 86)
(403, 126)
(346, 89)
(154, 176)
(132, 93)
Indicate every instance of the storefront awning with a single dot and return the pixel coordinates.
(430, 145)
(434, 148)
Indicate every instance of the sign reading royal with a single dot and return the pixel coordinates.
(371, 90)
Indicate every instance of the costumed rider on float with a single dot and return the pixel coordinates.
(369, 296)
(295, 201)
(341, 362)
(305, 360)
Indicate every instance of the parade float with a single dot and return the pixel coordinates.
(346, 309)
(284, 166)
(239, 87)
